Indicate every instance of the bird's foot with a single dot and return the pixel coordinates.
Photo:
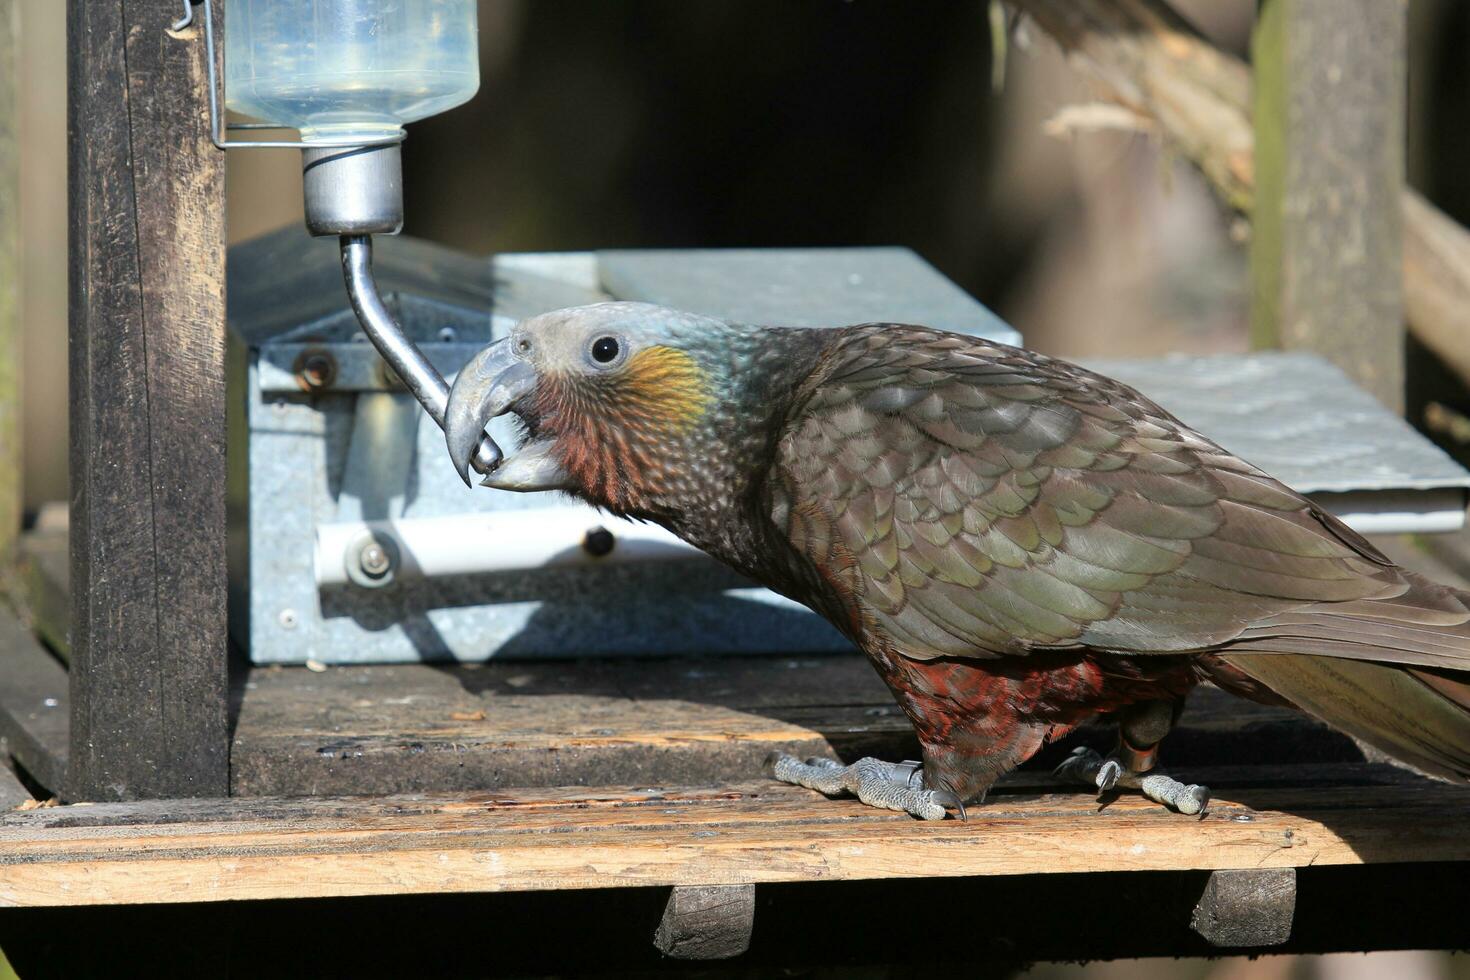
(1107, 773)
(889, 785)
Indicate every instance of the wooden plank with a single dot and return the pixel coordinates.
(1346, 778)
(34, 717)
(743, 834)
(1327, 242)
(45, 573)
(412, 728)
(147, 409)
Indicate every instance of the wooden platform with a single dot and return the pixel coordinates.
(752, 832)
(418, 780)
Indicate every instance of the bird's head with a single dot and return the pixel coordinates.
(621, 402)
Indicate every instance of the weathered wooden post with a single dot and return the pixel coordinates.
(10, 450)
(1327, 241)
(148, 650)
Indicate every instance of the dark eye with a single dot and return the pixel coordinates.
(604, 349)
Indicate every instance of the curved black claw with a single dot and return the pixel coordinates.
(949, 801)
(1068, 767)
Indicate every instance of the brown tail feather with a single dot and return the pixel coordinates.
(1456, 687)
(1426, 626)
(1416, 717)
(1394, 673)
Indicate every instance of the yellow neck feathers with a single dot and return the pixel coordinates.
(666, 388)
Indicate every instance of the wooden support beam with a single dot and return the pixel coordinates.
(1246, 908)
(10, 449)
(147, 246)
(706, 922)
(1327, 242)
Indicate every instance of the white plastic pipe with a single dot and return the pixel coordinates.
(477, 544)
(519, 540)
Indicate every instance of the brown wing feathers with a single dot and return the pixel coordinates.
(978, 501)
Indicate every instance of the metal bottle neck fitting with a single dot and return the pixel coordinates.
(353, 191)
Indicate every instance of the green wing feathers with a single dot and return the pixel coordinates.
(980, 500)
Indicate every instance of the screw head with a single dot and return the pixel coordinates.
(374, 559)
(599, 542)
(315, 369)
(287, 619)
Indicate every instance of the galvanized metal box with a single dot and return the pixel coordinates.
(352, 539)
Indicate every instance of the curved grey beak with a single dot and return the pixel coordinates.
(488, 386)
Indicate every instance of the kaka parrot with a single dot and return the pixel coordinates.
(1016, 543)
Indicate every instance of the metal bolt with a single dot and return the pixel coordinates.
(599, 542)
(447, 335)
(287, 619)
(373, 559)
(315, 369)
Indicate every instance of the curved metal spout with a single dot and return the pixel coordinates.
(421, 377)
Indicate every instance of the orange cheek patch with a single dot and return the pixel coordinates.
(667, 387)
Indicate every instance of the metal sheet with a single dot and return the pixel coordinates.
(801, 287)
(1295, 416)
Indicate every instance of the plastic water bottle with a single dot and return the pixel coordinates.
(349, 68)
